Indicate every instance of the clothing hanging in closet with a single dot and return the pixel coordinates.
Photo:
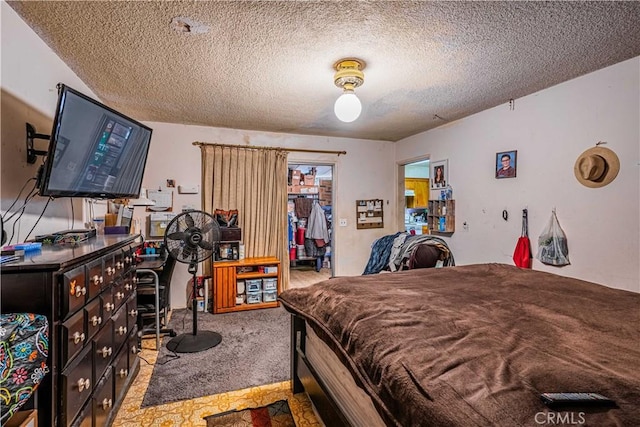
(317, 225)
(303, 206)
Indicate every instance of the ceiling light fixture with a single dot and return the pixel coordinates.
(348, 76)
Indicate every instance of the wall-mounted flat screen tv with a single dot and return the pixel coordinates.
(94, 150)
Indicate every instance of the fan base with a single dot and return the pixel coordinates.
(190, 343)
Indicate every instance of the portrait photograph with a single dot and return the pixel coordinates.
(439, 176)
(506, 165)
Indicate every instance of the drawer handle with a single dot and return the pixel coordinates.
(83, 384)
(135, 279)
(133, 313)
(97, 280)
(127, 259)
(128, 286)
(105, 351)
(80, 291)
(122, 330)
(109, 306)
(119, 295)
(106, 403)
(134, 350)
(110, 271)
(119, 265)
(78, 337)
(124, 372)
(96, 320)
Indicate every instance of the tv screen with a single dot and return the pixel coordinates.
(94, 150)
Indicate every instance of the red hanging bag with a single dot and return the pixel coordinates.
(522, 253)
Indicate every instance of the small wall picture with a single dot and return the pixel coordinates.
(506, 164)
(439, 174)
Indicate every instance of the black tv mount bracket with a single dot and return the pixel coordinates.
(31, 135)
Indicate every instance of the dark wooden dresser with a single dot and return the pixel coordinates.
(88, 293)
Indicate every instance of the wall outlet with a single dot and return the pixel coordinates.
(343, 222)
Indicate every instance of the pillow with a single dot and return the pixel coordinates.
(424, 256)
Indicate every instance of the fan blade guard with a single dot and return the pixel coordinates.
(191, 236)
(205, 245)
(188, 219)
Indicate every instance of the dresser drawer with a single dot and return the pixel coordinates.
(129, 285)
(103, 350)
(108, 307)
(130, 258)
(77, 383)
(95, 278)
(93, 312)
(119, 294)
(132, 311)
(74, 291)
(121, 371)
(73, 335)
(133, 350)
(119, 264)
(109, 269)
(103, 400)
(120, 330)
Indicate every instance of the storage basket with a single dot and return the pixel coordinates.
(269, 296)
(254, 297)
(253, 285)
(269, 284)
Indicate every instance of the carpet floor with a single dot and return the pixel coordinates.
(254, 351)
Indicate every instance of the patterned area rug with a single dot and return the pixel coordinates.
(276, 414)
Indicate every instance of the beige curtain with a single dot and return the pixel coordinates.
(253, 181)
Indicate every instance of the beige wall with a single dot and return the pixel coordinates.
(549, 129)
(363, 173)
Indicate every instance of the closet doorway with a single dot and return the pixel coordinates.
(310, 215)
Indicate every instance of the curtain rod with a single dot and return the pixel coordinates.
(298, 150)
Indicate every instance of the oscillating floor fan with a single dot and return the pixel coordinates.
(190, 238)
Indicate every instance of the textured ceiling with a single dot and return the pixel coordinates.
(268, 65)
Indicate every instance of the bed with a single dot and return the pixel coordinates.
(464, 346)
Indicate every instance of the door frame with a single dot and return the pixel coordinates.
(400, 200)
(334, 199)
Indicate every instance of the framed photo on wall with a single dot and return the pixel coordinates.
(506, 164)
(439, 176)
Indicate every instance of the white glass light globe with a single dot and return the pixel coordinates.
(347, 107)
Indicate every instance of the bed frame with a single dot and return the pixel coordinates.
(304, 378)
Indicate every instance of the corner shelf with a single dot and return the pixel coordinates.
(442, 210)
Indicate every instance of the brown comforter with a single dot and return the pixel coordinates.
(476, 345)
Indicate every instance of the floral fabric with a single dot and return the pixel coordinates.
(24, 347)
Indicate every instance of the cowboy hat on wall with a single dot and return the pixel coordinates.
(597, 167)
